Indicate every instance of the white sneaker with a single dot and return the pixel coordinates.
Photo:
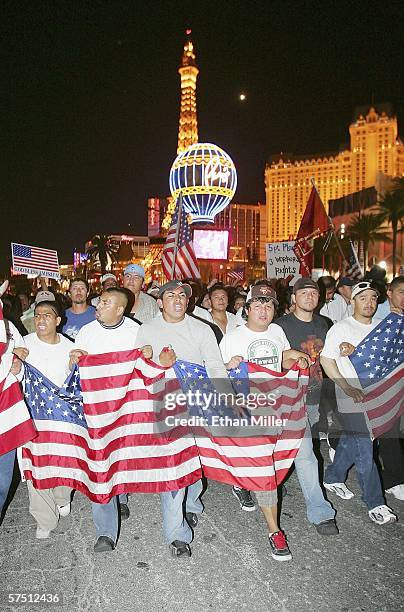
(397, 491)
(64, 510)
(382, 515)
(331, 450)
(340, 489)
(42, 534)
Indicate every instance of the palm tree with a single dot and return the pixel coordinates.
(391, 209)
(366, 230)
(101, 248)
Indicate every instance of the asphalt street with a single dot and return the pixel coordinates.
(230, 569)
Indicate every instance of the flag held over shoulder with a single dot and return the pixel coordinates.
(378, 362)
(35, 260)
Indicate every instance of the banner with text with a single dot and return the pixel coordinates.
(282, 261)
(35, 260)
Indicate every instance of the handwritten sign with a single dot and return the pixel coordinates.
(282, 261)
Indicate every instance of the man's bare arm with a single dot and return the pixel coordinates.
(332, 371)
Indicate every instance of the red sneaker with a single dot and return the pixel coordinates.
(279, 547)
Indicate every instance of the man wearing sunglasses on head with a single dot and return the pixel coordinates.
(355, 445)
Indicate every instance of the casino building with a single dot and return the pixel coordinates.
(375, 149)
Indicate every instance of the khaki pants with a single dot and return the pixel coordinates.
(43, 504)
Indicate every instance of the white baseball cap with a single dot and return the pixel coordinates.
(107, 276)
(44, 296)
(362, 286)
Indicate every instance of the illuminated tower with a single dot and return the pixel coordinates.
(188, 124)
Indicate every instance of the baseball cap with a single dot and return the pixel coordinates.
(134, 269)
(262, 291)
(305, 283)
(363, 286)
(107, 276)
(154, 289)
(44, 296)
(175, 284)
(345, 281)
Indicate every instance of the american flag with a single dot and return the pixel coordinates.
(186, 263)
(236, 275)
(117, 440)
(16, 426)
(378, 362)
(353, 269)
(256, 451)
(34, 260)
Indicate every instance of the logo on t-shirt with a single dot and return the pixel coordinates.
(265, 353)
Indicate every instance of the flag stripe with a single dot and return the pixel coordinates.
(16, 426)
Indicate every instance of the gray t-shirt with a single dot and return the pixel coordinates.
(191, 340)
(147, 308)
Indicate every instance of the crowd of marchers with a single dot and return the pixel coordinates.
(314, 324)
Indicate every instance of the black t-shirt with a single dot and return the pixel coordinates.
(309, 337)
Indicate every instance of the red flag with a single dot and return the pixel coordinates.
(315, 222)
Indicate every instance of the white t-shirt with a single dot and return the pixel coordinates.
(202, 313)
(96, 339)
(348, 330)
(50, 359)
(14, 338)
(264, 348)
(232, 322)
(337, 309)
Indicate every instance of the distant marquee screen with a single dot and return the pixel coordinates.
(211, 244)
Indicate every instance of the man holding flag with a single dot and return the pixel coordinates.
(48, 352)
(356, 445)
(261, 342)
(16, 426)
(191, 340)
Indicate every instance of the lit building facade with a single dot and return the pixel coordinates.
(188, 123)
(374, 148)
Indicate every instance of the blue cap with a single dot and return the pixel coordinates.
(134, 269)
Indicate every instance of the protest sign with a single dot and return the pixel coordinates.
(282, 261)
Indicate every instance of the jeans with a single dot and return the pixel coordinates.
(391, 456)
(6, 475)
(318, 508)
(356, 447)
(175, 526)
(105, 517)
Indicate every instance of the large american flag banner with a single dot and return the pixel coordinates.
(16, 426)
(255, 450)
(35, 260)
(120, 440)
(378, 362)
(352, 267)
(116, 440)
(182, 250)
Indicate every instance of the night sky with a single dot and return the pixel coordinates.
(90, 100)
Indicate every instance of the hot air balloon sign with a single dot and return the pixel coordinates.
(207, 178)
